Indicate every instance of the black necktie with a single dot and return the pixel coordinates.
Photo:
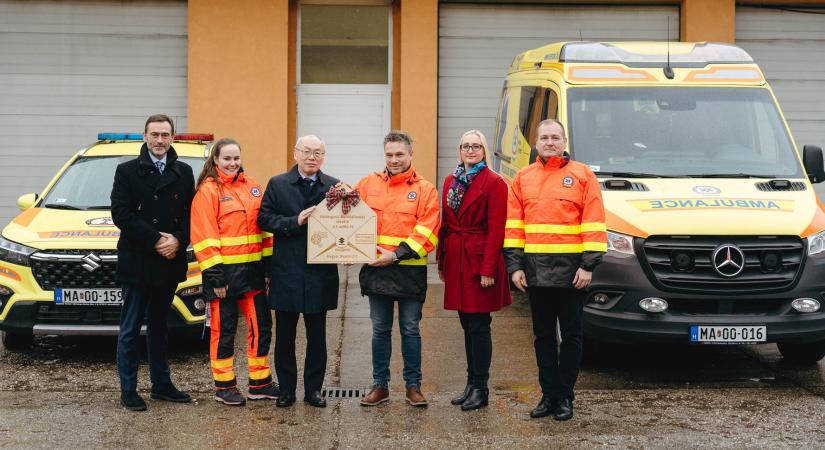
(307, 182)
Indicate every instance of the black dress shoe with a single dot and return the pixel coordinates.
(314, 398)
(476, 399)
(544, 408)
(170, 393)
(460, 399)
(132, 401)
(564, 410)
(286, 399)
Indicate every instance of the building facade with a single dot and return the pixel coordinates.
(267, 71)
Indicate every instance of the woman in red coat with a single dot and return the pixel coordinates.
(470, 258)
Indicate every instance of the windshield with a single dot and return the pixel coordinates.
(680, 132)
(87, 183)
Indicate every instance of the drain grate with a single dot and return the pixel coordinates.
(340, 392)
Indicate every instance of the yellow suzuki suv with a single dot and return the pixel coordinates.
(58, 257)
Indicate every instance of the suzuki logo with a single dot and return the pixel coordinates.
(728, 260)
(91, 262)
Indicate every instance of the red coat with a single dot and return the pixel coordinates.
(470, 245)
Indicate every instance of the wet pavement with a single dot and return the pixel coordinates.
(64, 393)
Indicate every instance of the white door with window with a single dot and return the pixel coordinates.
(344, 93)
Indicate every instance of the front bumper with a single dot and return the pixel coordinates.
(620, 319)
(31, 309)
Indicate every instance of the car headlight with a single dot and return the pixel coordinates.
(619, 243)
(816, 243)
(15, 253)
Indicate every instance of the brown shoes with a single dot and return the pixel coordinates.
(376, 396)
(415, 397)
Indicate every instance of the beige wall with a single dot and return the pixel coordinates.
(708, 20)
(418, 80)
(239, 77)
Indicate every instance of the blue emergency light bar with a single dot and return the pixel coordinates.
(120, 136)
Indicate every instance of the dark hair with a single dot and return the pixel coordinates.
(398, 136)
(551, 121)
(209, 169)
(159, 118)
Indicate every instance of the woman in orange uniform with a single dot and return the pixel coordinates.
(232, 253)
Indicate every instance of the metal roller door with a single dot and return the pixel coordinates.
(478, 42)
(790, 48)
(71, 69)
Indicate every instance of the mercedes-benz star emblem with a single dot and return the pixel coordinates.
(728, 260)
(91, 262)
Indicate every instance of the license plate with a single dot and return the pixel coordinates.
(715, 334)
(88, 297)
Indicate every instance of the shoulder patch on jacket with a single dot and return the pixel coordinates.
(411, 196)
(255, 191)
(567, 182)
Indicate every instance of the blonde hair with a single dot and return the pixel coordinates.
(483, 140)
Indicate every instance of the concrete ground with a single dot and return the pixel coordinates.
(64, 393)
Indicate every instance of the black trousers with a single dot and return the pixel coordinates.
(151, 303)
(478, 345)
(315, 363)
(558, 363)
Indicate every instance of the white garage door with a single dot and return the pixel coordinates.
(790, 48)
(478, 42)
(71, 69)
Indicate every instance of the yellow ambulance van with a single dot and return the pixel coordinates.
(715, 234)
(58, 257)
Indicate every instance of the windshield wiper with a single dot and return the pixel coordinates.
(99, 207)
(636, 175)
(61, 206)
(731, 175)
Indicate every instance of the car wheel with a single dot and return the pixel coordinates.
(802, 353)
(17, 341)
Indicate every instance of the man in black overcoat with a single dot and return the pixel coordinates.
(295, 286)
(151, 198)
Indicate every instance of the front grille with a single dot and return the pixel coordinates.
(62, 269)
(78, 314)
(700, 275)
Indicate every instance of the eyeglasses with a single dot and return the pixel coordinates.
(308, 153)
(474, 147)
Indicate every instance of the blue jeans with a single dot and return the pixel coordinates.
(381, 315)
(152, 303)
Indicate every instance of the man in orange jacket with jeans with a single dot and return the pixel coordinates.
(406, 206)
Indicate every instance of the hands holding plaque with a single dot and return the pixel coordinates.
(342, 229)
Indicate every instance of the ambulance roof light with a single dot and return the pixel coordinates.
(139, 137)
(648, 53)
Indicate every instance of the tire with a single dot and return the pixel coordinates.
(809, 353)
(17, 341)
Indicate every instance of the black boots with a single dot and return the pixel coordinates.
(477, 398)
(460, 399)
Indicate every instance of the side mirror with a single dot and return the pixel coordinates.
(26, 201)
(812, 159)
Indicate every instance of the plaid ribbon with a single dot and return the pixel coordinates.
(347, 199)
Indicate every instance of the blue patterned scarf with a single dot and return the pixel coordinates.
(461, 182)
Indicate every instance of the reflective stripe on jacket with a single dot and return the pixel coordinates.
(406, 206)
(230, 247)
(555, 222)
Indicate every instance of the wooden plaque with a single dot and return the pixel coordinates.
(334, 237)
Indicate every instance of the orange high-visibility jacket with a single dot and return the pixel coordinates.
(406, 206)
(230, 247)
(555, 222)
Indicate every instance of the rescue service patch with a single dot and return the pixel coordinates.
(225, 199)
(567, 182)
(411, 196)
(255, 191)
